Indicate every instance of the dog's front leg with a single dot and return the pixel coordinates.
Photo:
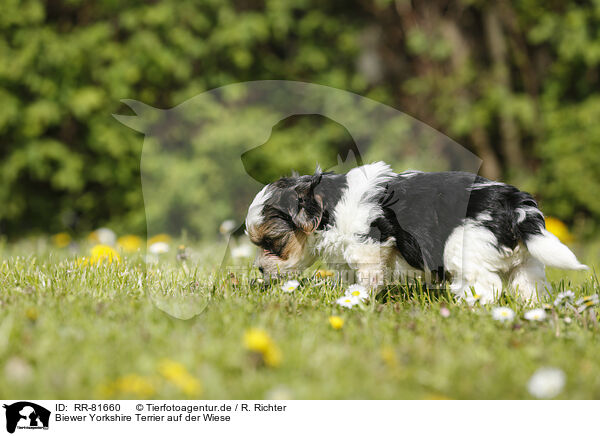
(370, 260)
(371, 277)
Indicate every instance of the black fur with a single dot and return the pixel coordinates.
(501, 202)
(421, 211)
(330, 189)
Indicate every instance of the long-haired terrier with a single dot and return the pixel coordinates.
(452, 225)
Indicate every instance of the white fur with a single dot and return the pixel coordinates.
(477, 266)
(254, 217)
(551, 252)
(354, 213)
(528, 279)
(524, 211)
(475, 186)
(471, 257)
(410, 173)
(356, 210)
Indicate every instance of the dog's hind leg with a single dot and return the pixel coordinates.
(528, 279)
(472, 258)
(476, 286)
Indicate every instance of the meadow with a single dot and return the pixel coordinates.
(74, 328)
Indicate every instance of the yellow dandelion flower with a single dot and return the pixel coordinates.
(127, 385)
(559, 229)
(272, 356)
(258, 341)
(61, 240)
(133, 385)
(177, 374)
(190, 386)
(103, 253)
(161, 237)
(31, 313)
(129, 243)
(323, 273)
(170, 369)
(336, 322)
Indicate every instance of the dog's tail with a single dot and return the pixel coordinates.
(542, 244)
(546, 248)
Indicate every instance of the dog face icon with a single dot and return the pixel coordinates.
(27, 413)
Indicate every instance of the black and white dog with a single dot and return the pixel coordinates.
(375, 221)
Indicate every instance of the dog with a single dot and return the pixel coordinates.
(452, 226)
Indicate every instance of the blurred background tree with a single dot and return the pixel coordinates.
(517, 82)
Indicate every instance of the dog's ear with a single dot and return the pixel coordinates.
(309, 208)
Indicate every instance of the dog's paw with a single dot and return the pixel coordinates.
(473, 295)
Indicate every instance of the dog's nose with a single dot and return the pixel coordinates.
(261, 269)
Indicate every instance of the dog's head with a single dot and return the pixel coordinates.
(280, 221)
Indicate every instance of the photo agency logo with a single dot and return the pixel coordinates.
(25, 415)
(204, 162)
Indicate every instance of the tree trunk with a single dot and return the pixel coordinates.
(509, 131)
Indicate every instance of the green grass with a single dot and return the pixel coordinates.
(73, 331)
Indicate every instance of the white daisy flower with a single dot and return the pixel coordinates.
(587, 302)
(503, 314)
(159, 248)
(358, 291)
(546, 383)
(290, 286)
(347, 301)
(564, 297)
(105, 236)
(535, 315)
(471, 299)
(567, 320)
(567, 294)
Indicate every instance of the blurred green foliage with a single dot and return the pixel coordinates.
(517, 82)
